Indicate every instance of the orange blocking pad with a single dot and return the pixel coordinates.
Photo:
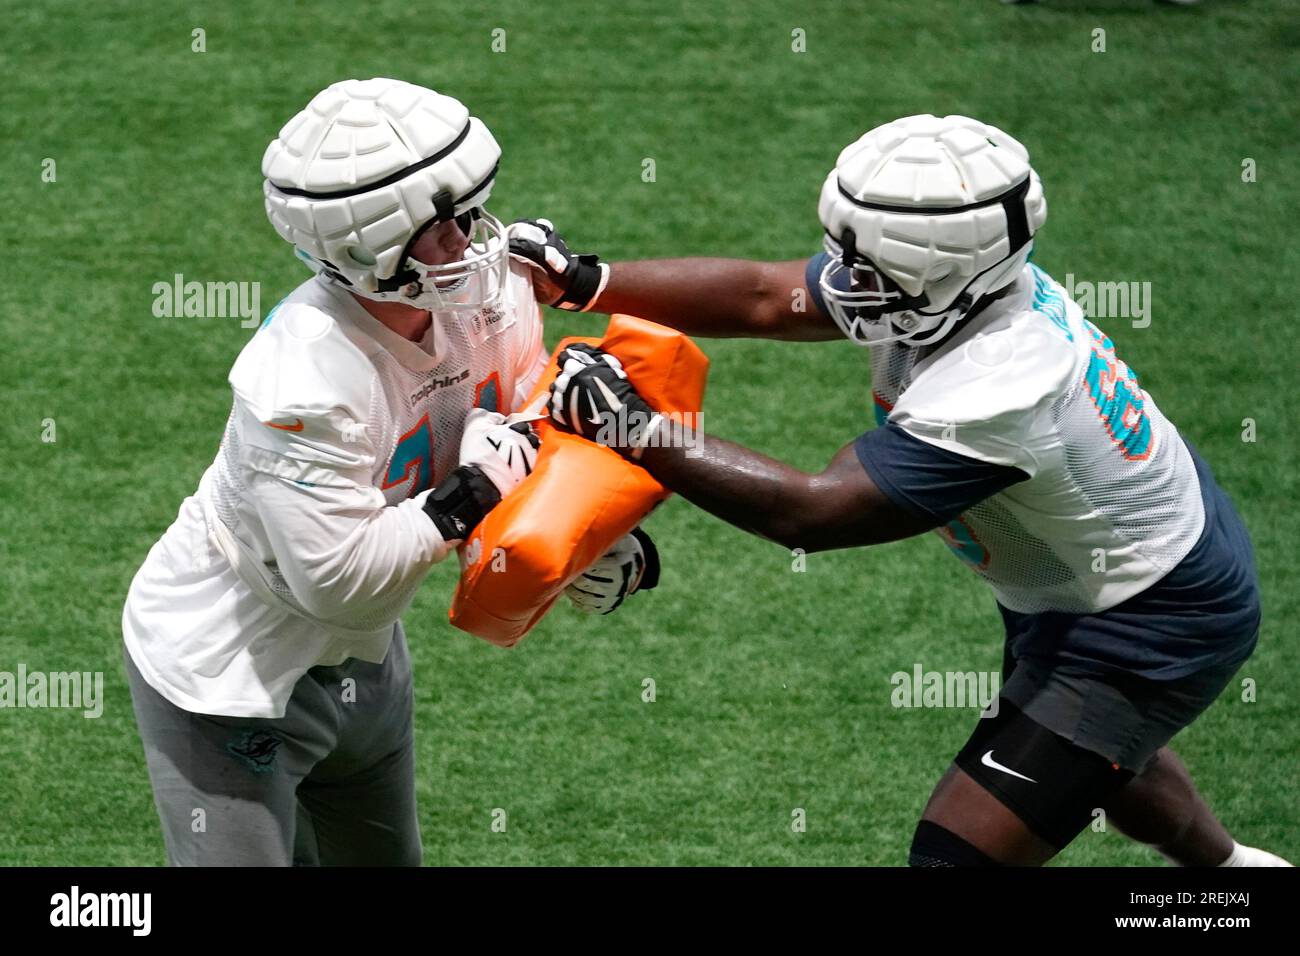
(580, 498)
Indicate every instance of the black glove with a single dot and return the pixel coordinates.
(592, 397)
(461, 501)
(579, 278)
(631, 565)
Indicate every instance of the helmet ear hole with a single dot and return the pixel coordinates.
(361, 256)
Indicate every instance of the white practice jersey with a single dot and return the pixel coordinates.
(306, 538)
(1112, 502)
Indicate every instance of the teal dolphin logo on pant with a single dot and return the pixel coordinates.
(257, 748)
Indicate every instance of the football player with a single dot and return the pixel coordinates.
(1006, 423)
(374, 422)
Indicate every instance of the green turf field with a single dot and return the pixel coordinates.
(773, 686)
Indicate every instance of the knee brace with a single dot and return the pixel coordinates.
(933, 845)
(1051, 784)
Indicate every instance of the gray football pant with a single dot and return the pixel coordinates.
(332, 782)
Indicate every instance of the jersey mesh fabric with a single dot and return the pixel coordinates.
(325, 456)
(400, 406)
(1026, 570)
(1142, 499)
(1124, 515)
(470, 372)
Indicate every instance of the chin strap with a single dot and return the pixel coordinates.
(444, 210)
(966, 309)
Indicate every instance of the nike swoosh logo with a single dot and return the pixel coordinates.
(988, 761)
(610, 398)
(295, 427)
(494, 444)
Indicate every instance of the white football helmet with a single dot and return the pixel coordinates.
(355, 178)
(924, 217)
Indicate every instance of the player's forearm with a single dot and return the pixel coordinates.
(838, 507)
(745, 488)
(712, 297)
(376, 571)
(346, 561)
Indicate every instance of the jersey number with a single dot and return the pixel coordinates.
(958, 536)
(414, 452)
(487, 393)
(1117, 396)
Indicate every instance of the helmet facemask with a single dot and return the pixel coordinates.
(870, 308)
(474, 282)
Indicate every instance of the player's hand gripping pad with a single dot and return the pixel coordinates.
(580, 498)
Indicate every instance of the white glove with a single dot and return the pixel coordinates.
(631, 565)
(504, 449)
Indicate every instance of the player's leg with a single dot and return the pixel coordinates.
(224, 787)
(1162, 807)
(965, 825)
(1099, 742)
(361, 799)
(1017, 793)
(306, 849)
(1019, 790)
(368, 818)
